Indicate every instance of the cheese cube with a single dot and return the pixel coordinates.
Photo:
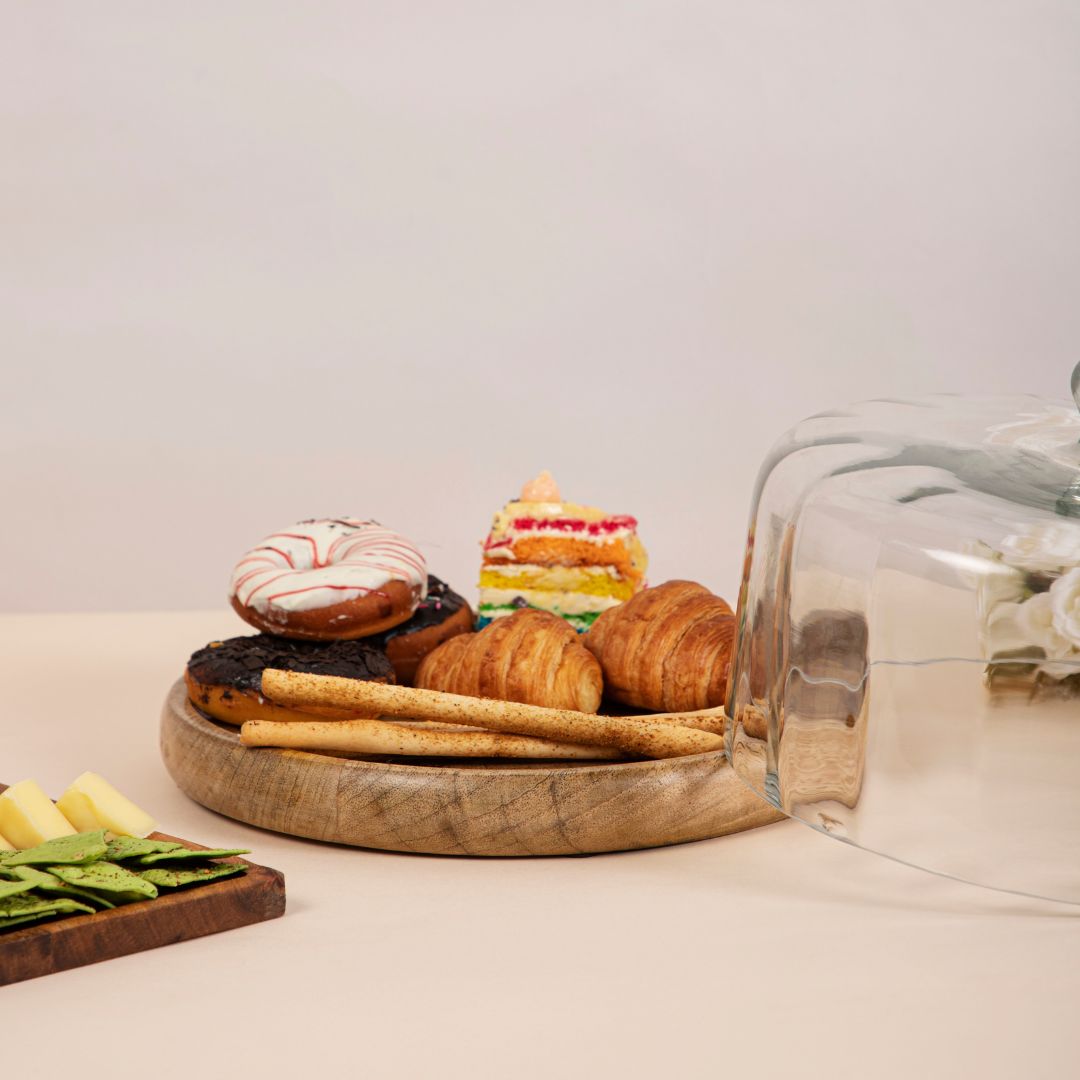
(93, 803)
(6, 844)
(28, 817)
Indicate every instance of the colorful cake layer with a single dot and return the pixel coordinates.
(602, 581)
(572, 560)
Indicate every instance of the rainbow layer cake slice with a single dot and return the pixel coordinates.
(574, 561)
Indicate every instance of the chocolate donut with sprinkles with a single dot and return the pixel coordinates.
(442, 615)
(224, 679)
(329, 579)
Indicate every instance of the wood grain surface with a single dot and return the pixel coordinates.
(57, 945)
(454, 808)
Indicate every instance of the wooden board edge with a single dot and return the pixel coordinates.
(45, 948)
(189, 740)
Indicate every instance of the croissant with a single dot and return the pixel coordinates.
(667, 649)
(531, 657)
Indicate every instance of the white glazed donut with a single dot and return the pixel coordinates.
(330, 579)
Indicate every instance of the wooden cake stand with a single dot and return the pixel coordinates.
(455, 809)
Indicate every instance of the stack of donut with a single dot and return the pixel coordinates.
(333, 596)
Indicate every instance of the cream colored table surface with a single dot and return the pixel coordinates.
(772, 953)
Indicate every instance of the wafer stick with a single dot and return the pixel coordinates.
(383, 737)
(638, 736)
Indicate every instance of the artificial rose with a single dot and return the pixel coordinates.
(1001, 631)
(1065, 606)
(1035, 620)
(1044, 548)
(997, 584)
(1061, 669)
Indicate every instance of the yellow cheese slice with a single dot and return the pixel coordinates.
(28, 817)
(6, 844)
(79, 810)
(93, 803)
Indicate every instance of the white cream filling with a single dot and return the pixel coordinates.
(513, 534)
(553, 571)
(559, 603)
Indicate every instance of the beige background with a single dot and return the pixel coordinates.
(776, 953)
(262, 261)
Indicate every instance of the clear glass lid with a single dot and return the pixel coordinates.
(907, 670)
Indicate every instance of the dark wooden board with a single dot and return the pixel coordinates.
(69, 942)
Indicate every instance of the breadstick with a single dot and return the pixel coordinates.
(418, 725)
(703, 719)
(382, 737)
(638, 736)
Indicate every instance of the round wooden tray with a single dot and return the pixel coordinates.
(456, 809)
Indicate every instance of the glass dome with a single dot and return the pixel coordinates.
(907, 670)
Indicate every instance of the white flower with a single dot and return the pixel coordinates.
(1065, 606)
(1002, 632)
(1035, 620)
(997, 585)
(1048, 547)
(1012, 628)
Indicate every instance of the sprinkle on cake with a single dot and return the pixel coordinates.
(574, 561)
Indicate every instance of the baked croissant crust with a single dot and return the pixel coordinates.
(531, 657)
(667, 649)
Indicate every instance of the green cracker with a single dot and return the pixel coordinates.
(82, 874)
(108, 877)
(43, 881)
(131, 847)
(28, 904)
(174, 879)
(18, 920)
(188, 855)
(81, 848)
(13, 888)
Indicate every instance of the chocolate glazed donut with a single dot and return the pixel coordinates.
(443, 615)
(224, 679)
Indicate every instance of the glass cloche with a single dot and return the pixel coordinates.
(907, 671)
